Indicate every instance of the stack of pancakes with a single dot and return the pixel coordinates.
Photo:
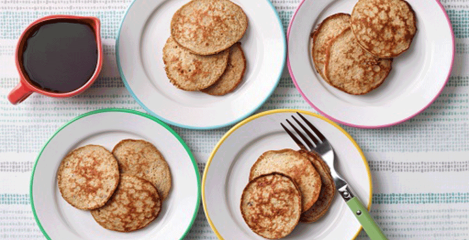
(286, 187)
(354, 53)
(124, 189)
(203, 52)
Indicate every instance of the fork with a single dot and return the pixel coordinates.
(319, 144)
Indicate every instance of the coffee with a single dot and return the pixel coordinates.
(60, 55)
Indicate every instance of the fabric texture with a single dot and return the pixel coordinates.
(433, 147)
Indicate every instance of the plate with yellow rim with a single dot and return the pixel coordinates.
(227, 172)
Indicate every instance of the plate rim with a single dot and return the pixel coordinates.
(121, 110)
(127, 86)
(262, 114)
(372, 126)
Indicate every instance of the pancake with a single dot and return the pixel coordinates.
(352, 69)
(384, 28)
(192, 72)
(88, 176)
(140, 158)
(294, 165)
(271, 205)
(134, 205)
(323, 35)
(327, 193)
(206, 27)
(233, 74)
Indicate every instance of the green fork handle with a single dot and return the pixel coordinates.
(365, 219)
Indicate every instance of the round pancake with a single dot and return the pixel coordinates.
(385, 28)
(352, 69)
(271, 205)
(233, 74)
(294, 165)
(327, 193)
(192, 72)
(135, 204)
(323, 35)
(88, 176)
(206, 27)
(140, 158)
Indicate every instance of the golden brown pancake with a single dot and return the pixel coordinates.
(206, 27)
(323, 35)
(191, 72)
(385, 28)
(135, 204)
(140, 158)
(271, 205)
(233, 74)
(294, 165)
(326, 196)
(88, 176)
(352, 69)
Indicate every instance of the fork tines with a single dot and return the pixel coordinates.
(314, 139)
(315, 130)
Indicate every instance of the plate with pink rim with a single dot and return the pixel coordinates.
(416, 80)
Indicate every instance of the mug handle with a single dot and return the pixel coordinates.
(19, 93)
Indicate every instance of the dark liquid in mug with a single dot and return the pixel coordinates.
(60, 55)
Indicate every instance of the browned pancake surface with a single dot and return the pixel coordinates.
(88, 176)
(294, 165)
(326, 196)
(206, 27)
(323, 35)
(352, 69)
(271, 205)
(142, 159)
(233, 74)
(385, 28)
(191, 72)
(134, 205)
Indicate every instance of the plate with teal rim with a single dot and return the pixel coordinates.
(140, 41)
(59, 220)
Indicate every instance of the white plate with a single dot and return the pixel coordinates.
(142, 35)
(227, 173)
(417, 77)
(59, 220)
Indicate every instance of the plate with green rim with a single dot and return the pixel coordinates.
(59, 220)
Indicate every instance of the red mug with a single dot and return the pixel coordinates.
(24, 88)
